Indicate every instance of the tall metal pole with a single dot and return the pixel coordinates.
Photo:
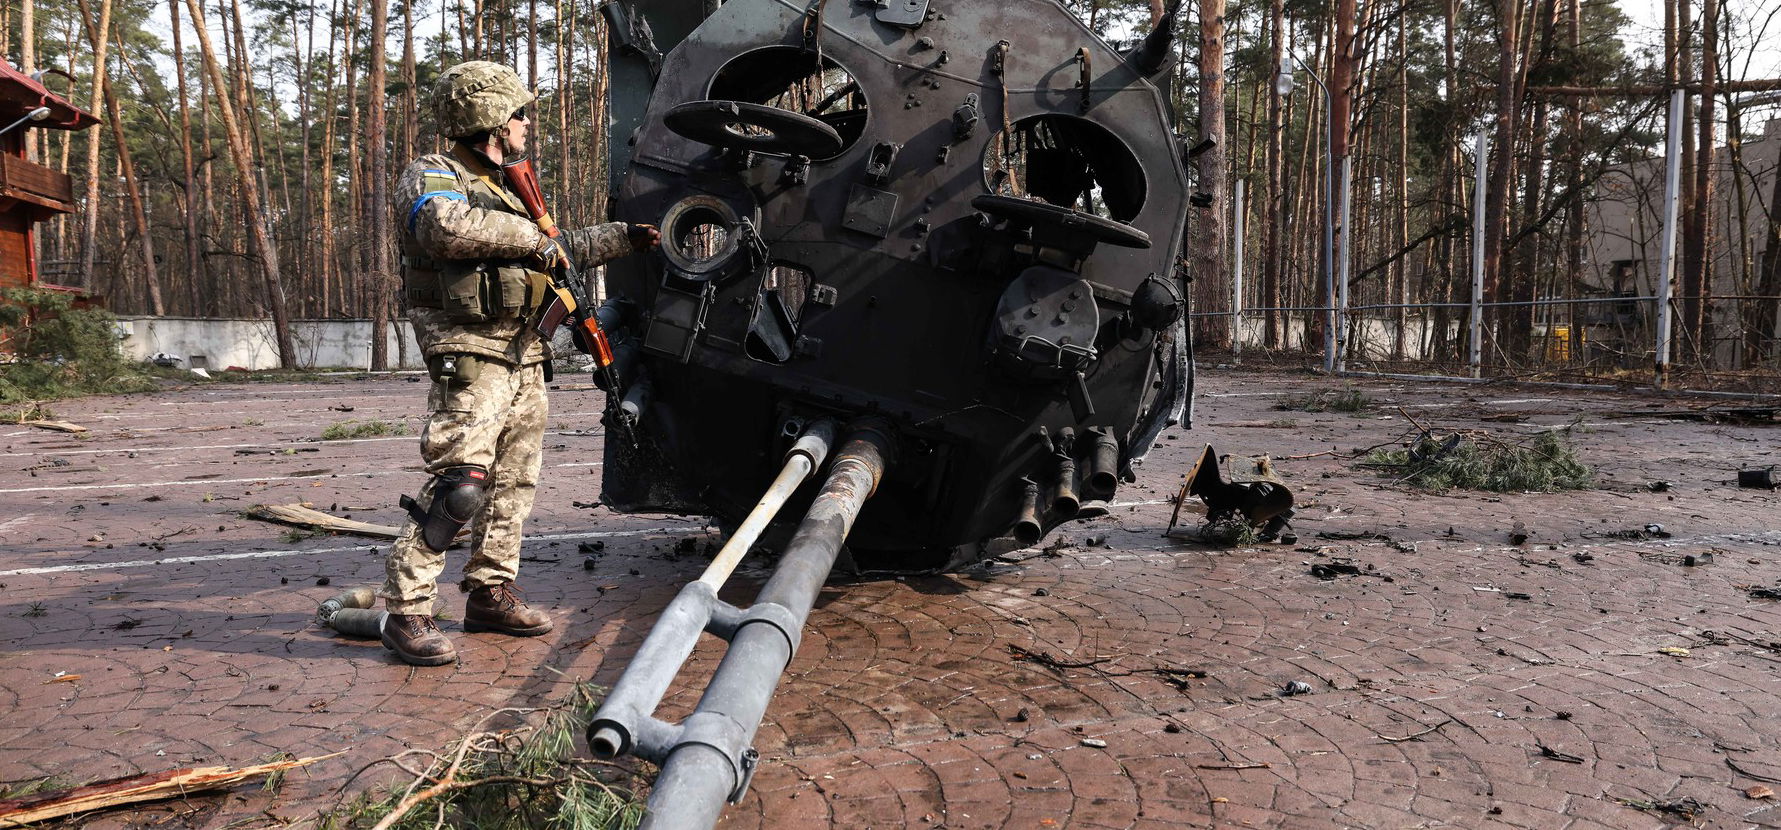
(1237, 276)
(1667, 264)
(1343, 331)
(1482, 164)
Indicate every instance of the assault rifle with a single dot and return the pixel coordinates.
(566, 299)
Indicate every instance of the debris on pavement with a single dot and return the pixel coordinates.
(1477, 460)
(1758, 478)
(1759, 791)
(134, 789)
(1566, 757)
(1294, 688)
(1094, 743)
(303, 516)
(1682, 808)
(1335, 568)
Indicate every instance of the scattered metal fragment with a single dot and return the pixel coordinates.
(1695, 560)
(1335, 568)
(1294, 688)
(1518, 595)
(1094, 743)
(1566, 757)
(1760, 478)
(1764, 592)
(1518, 535)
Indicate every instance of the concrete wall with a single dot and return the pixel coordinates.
(249, 344)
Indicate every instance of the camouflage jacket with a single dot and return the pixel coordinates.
(457, 206)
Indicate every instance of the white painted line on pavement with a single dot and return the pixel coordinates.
(205, 482)
(276, 554)
(268, 445)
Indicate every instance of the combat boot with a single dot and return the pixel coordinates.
(415, 639)
(498, 608)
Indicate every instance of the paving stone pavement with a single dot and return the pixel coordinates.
(1437, 675)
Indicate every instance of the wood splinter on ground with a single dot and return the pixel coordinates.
(134, 789)
(302, 516)
(58, 426)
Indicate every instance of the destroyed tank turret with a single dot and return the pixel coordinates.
(963, 220)
(926, 251)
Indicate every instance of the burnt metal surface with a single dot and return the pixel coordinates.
(977, 264)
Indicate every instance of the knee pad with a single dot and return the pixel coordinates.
(458, 495)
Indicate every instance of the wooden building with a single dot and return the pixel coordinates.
(29, 192)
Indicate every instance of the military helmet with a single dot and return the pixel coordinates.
(475, 96)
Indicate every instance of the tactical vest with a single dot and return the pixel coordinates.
(471, 291)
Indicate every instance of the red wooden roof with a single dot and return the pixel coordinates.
(19, 94)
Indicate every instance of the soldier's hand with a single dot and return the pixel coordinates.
(644, 237)
(549, 254)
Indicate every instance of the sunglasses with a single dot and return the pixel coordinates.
(518, 114)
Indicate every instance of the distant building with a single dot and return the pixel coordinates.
(29, 192)
(1624, 247)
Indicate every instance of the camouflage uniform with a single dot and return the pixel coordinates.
(455, 212)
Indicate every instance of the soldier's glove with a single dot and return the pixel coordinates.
(550, 255)
(643, 237)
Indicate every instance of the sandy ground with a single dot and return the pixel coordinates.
(125, 560)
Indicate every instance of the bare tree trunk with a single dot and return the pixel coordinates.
(1575, 215)
(329, 264)
(1401, 276)
(151, 277)
(1760, 330)
(194, 250)
(1210, 265)
(260, 235)
(305, 225)
(376, 133)
(90, 220)
(1275, 155)
(1697, 241)
(1502, 162)
(28, 59)
(565, 81)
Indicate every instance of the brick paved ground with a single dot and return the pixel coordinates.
(124, 560)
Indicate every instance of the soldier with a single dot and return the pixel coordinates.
(474, 269)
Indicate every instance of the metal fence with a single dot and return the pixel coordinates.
(1611, 340)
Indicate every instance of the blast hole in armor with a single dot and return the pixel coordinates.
(1069, 162)
(793, 284)
(788, 78)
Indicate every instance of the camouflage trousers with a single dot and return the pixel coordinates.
(496, 421)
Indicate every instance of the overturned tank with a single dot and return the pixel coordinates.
(918, 284)
(961, 220)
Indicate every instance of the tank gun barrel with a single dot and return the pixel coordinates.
(707, 760)
(1154, 51)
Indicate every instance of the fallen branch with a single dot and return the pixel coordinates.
(135, 789)
(1414, 735)
(1748, 774)
(56, 426)
(298, 515)
(1051, 662)
(1262, 765)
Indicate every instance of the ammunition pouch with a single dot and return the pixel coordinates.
(457, 496)
(471, 291)
(454, 369)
